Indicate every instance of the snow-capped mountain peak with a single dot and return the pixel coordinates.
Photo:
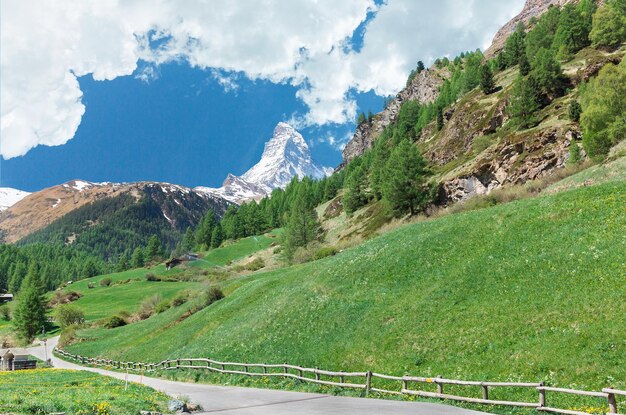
(285, 156)
(9, 197)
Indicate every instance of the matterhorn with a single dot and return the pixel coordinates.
(286, 155)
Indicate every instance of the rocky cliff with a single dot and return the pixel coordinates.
(424, 88)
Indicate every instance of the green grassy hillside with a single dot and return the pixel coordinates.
(129, 288)
(531, 290)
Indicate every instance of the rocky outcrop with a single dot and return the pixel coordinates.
(424, 88)
(532, 8)
(514, 161)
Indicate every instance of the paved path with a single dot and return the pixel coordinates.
(243, 401)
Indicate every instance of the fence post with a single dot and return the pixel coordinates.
(245, 368)
(285, 371)
(542, 397)
(177, 364)
(439, 385)
(368, 382)
(342, 378)
(405, 385)
(485, 391)
(317, 375)
(612, 403)
(264, 370)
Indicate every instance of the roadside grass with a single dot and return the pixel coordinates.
(44, 391)
(532, 290)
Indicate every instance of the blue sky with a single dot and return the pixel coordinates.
(182, 127)
(185, 93)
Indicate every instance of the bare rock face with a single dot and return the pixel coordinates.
(512, 163)
(424, 88)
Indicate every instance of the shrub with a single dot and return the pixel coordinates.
(67, 315)
(91, 285)
(180, 299)
(5, 313)
(162, 306)
(574, 111)
(148, 306)
(61, 297)
(255, 264)
(206, 298)
(324, 252)
(67, 336)
(114, 321)
(152, 277)
(574, 153)
(105, 282)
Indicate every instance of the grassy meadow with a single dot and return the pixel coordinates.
(44, 391)
(129, 288)
(533, 290)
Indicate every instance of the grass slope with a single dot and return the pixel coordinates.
(100, 302)
(44, 391)
(530, 290)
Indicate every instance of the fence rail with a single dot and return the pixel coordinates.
(363, 381)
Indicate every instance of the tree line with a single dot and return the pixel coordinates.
(55, 264)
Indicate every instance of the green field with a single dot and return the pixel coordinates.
(532, 290)
(44, 391)
(232, 251)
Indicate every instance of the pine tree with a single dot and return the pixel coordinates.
(302, 225)
(420, 66)
(404, 187)
(361, 119)
(486, 79)
(154, 249)
(217, 237)
(542, 35)
(29, 316)
(572, 33)
(123, 263)
(524, 102)
(547, 73)
(188, 242)
(524, 64)
(515, 46)
(355, 196)
(137, 260)
(205, 230)
(439, 118)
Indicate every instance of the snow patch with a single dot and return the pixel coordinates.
(57, 203)
(9, 197)
(166, 217)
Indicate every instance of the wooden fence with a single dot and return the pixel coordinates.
(366, 381)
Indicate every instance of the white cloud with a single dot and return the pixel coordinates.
(147, 74)
(228, 81)
(47, 44)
